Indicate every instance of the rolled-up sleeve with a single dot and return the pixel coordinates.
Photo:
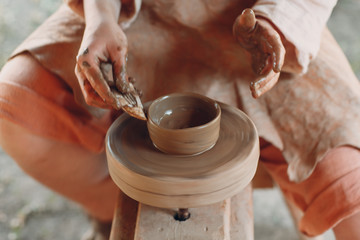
(128, 13)
(301, 22)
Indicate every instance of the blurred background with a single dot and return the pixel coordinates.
(29, 211)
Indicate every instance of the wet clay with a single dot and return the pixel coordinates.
(184, 123)
(184, 117)
(179, 111)
(164, 180)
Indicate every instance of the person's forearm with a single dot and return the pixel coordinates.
(96, 11)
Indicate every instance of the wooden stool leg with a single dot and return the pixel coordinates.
(231, 219)
(124, 221)
(242, 215)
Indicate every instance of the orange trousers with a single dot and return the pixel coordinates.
(330, 194)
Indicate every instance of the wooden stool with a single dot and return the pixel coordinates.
(213, 185)
(231, 219)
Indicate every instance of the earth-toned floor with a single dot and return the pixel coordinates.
(29, 211)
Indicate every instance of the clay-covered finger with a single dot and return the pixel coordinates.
(276, 47)
(122, 83)
(278, 56)
(93, 74)
(132, 79)
(264, 84)
(120, 65)
(108, 73)
(80, 76)
(260, 62)
(82, 80)
(118, 56)
(90, 96)
(245, 22)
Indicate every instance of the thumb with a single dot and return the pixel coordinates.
(245, 23)
(120, 72)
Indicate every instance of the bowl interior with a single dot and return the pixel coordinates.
(183, 111)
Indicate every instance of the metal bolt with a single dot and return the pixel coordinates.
(182, 214)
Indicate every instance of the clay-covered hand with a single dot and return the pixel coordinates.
(264, 44)
(101, 70)
(102, 43)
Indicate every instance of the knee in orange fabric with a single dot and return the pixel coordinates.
(38, 101)
(24, 70)
(330, 194)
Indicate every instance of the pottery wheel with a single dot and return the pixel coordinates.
(170, 181)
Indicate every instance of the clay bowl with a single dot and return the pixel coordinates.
(184, 123)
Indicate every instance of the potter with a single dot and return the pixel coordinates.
(309, 118)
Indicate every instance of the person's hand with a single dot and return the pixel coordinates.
(264, 44)
(100, 62)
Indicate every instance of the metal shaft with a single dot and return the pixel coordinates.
(182, 214)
